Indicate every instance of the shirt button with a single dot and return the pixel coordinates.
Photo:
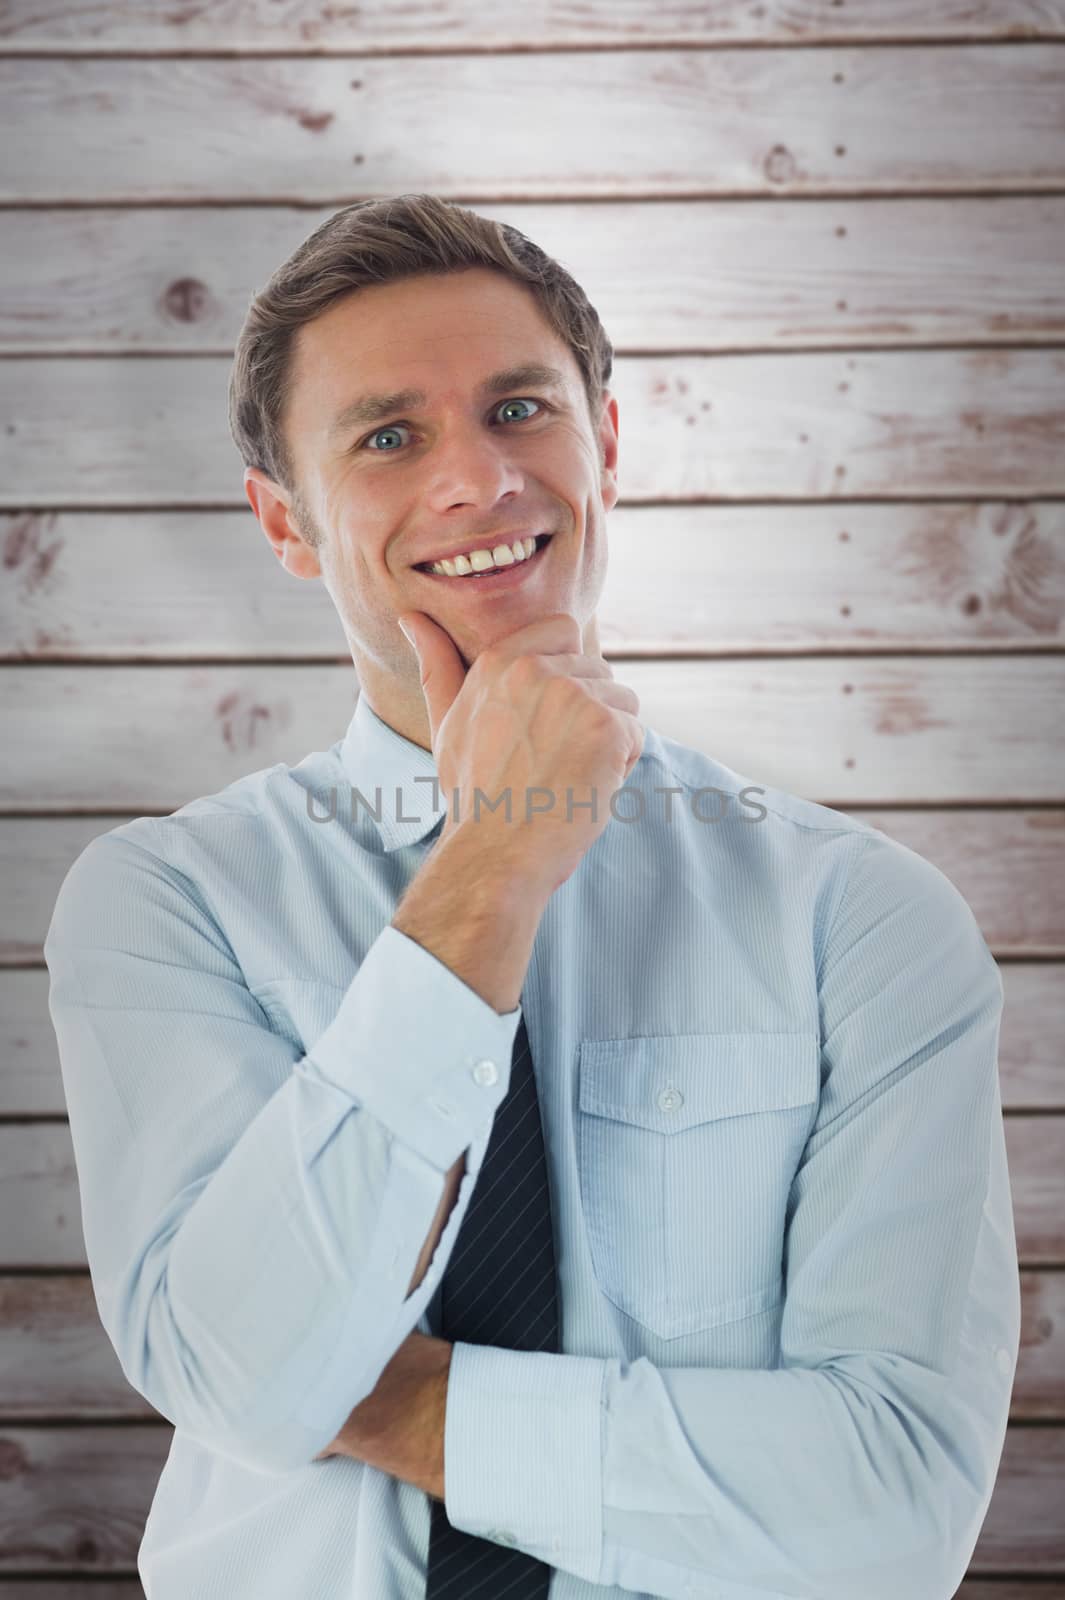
(670, 1099)
(486, 1072)
(507, 1538)
(1005, 1361)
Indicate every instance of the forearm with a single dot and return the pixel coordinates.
(474, 914)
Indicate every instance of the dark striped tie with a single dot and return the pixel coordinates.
(499, 1289)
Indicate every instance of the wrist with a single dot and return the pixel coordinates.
(500, 871)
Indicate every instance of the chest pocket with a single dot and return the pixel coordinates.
(687, 1147)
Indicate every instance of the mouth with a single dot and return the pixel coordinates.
(496, 578)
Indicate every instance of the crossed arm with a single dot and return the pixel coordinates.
(399, 1428)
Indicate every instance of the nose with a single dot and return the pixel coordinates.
(473, 471)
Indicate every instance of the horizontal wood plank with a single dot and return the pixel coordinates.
(955, 117)
(308, 27)
(40, 1207)
(898, 425)
(1031, 1067)
(694, 275)
(79, 1497)
(1023, 1530)
(840, 730)
(129, 1588)
(1008, 864)
(35, 853)
(1031, 1062)
(942, 575)
(59, 1363)
(971, 1589)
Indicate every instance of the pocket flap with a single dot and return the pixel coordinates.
(669, 1082)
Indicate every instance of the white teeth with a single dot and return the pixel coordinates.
(503, 555)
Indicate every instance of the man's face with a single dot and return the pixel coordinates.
(464, 470)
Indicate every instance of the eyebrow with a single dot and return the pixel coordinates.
(373, 407)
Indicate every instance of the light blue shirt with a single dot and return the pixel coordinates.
(766, 1051)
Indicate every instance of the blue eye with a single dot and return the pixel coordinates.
(394, 427)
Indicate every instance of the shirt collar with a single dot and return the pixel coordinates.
(383, 765)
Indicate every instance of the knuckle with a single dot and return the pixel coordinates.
(560, 691)
(521, 671)
(600, 716)
(491, 661)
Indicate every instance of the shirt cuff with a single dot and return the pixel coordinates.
(523, 1452)
(418, 1048)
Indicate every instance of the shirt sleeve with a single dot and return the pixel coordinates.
(864, 1463)
(253, 1216)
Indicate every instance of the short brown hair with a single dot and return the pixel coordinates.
(382, 241)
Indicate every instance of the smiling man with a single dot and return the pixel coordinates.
(521, 1155)
(416, 438)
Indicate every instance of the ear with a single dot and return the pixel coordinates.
(271, 506)
(608, 450)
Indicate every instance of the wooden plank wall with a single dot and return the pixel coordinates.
(826, 237)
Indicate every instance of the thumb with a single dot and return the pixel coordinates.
(441, 668)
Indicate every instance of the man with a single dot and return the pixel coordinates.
(516, 1160)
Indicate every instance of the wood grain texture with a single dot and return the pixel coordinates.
(129, 1588)
(1031, 1067)
(1024, 1531)
(57, 1359)
(693, 275)
(944, 118)
(40, 1209)
(1008, 864)
(839, 730)
(314, 27)
(77, 1497)
(1031, 1061)
(901, 425)
(761, 579)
